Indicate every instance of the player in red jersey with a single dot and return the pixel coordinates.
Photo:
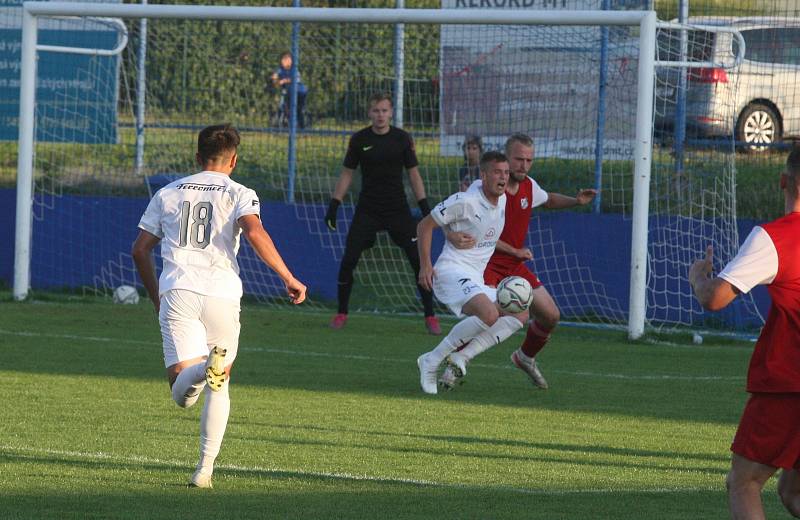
(522, 195)
(768, 436)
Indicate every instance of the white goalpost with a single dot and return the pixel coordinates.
(310, 189)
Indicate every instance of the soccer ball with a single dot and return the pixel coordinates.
(514, 294)
(126, 294)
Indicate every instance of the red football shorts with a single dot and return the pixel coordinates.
(493, 274)
(769, 432)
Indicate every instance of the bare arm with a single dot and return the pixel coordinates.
(343, 184)
(713, 293)
(141, 251)
(523, 253)
(559, 201)
(265, 248)
(424, 237)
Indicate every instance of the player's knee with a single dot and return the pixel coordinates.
(731, 482)
(489, 316)
(739, 481)
(790, 497)
(791, 505)
(348, 265)
(345, 273)
(547, 317)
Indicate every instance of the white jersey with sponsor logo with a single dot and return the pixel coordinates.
(196, 218)
(470, 212)
(539, 195)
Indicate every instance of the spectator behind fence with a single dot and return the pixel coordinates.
(282, 79)
(470, 171)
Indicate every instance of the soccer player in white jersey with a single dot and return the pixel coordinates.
(198, 220)
(457, 277)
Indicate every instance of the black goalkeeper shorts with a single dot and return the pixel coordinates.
(402, 229)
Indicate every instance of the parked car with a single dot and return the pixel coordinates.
(758, 102)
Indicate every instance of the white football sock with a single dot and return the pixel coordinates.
(461, 334)
(188, 385)
(502, 329)
(213, 422)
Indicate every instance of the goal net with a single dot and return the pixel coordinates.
(111, 129)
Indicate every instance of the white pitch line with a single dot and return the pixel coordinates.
(136, 459)
(292, 352)
(72, 336)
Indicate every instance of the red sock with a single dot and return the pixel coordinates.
(535, 339)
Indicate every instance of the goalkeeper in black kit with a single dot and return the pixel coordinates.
(383, 152)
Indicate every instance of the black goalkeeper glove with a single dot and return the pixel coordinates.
(330, 216)
(423, 207)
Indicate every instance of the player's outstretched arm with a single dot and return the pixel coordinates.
(142, 252)
(522, 253)
(342, 185)
(424, 237)
(559, 201)
(713, 293)
(265, 248)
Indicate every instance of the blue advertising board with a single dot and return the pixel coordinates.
(76, 94)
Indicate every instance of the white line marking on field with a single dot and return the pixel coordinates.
(72, 336)
(136, 459)
(305, 353)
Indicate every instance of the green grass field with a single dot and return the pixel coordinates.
(331, 424)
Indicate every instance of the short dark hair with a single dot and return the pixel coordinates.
(377, 97)
(793, 162)
(518, 137)
(492, 156)
(214, 142)
(472, 139)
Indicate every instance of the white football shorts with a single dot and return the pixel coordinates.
(192, 324)
(454, 286)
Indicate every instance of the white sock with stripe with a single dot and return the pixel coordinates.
(188, 385)
(461, 334)
(502, 329)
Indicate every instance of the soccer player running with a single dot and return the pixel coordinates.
(457, 277)
(522, 195)
(382, 151)
(768, 436)
(198, 220)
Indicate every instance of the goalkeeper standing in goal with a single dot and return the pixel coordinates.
(522, 195)
(768, 436)
(198, 220)
(383, 152)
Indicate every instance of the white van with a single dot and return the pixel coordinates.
(758, 102)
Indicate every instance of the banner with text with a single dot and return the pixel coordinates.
(76, 95)
(541, 80)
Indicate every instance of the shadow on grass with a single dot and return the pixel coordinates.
(155, 490)
(514, 444)
(376, 356)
